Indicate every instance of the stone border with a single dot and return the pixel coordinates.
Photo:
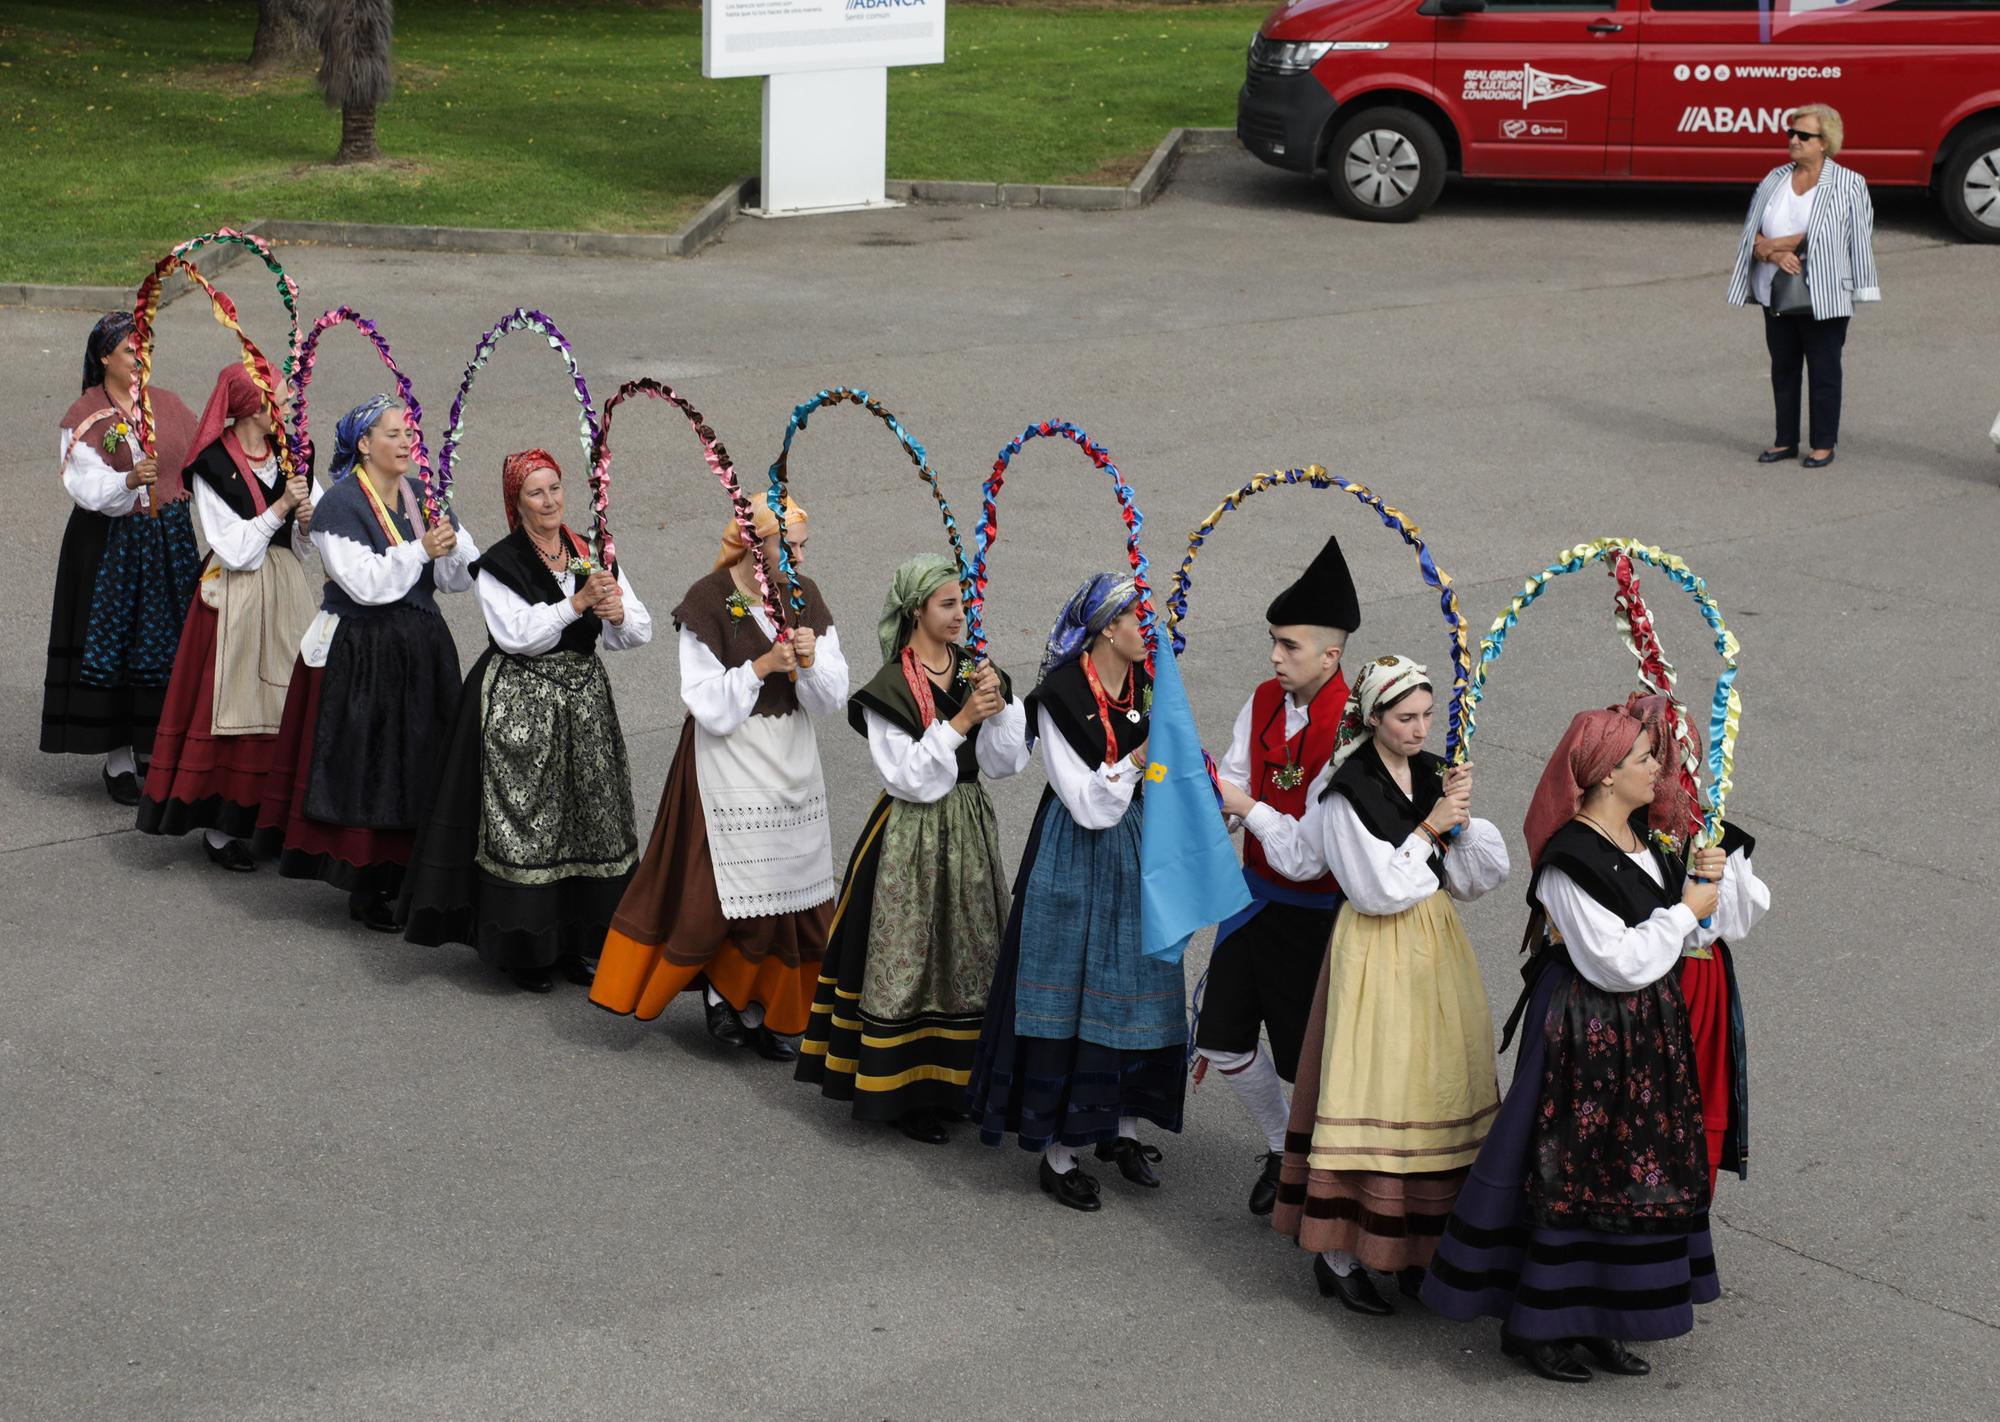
(718, 212)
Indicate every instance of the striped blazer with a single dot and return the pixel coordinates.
(1840, 242)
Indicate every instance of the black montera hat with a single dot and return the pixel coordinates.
(1323, 596)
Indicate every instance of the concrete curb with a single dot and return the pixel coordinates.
(701, 229)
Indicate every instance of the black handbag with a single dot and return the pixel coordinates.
(1789, 296)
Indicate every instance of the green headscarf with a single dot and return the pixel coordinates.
(915, 581)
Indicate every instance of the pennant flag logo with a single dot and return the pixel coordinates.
(1189, 874)
(1541, 87)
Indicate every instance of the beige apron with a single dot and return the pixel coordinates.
(260, 617)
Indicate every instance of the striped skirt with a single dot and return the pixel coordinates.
(1557, 1283)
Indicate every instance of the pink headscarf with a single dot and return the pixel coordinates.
(1589, 750)
(1677, 802)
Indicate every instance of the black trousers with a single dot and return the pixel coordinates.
(1797, 342)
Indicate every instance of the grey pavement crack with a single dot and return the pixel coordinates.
(67, 839)
(1895, 1289)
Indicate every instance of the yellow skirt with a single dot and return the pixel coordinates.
(1406, 1080)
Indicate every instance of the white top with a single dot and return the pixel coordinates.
(1096, 796)
(528, 629)
(1620, 958)
(1235, 764)
(925, 770)
(1377, 877)
(378, 579)
(240, 543)
(89, 479)
(721, 700)
(1785, 215)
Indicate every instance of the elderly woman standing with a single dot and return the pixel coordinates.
(126, 571)
(370, 707)
(914, 938)
(1811, 218)
(531, 838)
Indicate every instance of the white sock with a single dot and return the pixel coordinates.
(710, 996)
(216, 839)
(121, 762)
(1128, 1127)
(753, 1016)
(1340, 1261)
(1253, 1076)
(1061, 1159)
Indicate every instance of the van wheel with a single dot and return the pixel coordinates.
(1969, 185)
(1385, 165)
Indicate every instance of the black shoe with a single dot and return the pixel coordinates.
(1614, 1357)
(1264, 1194)
(726, 1027)
(1075, 1189)
(533, 979)
(579, 970)
(923, 1126)
(234, 856)
(1778, 456)
(1553, 1361)
(1133, 1160)
(373, 911)
(771, 1047)
(1410, 1283)
(1354, 1289)
(1814, 462)
(123, 787)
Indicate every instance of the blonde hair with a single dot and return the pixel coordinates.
(1831, 130)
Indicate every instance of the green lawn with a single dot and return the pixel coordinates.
(133, 123)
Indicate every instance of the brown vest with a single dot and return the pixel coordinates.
(736, 641)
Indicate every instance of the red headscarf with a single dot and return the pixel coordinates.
(235, 397)
(1592, 746)
(1677, 801)
(514, 472)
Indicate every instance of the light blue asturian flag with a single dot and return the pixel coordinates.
(1190, 876)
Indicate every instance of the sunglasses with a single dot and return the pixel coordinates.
(1801, 135)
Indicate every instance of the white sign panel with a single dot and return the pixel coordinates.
(745, 37)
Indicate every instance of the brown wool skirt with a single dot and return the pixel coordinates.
(669, 934)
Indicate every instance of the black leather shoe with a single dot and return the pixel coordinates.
(373, 911)
(726, 1027)
(1355, 1289)
(771, 1047)
(1264, 1194)
(1133, 1160)
(923, 1126)
(123, 788)
(1553, 1361)
(1614, 1357)
(1075, 1189)
(1778, 456)
(1814, 462)
(533, 979)
(234, 856)
(578, 970)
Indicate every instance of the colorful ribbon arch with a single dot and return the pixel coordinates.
(989, 529)
(288, 290)
(146, 308)
(519, 319)
(1458, 716)
(308, 356)
(712, 451)
(780, 474)
(1726, 710)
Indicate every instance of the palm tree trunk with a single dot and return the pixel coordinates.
(357, 135)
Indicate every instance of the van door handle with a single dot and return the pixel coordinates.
(1605, 27)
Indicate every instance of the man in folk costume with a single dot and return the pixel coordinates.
(1266, 959)
(1396, 1086)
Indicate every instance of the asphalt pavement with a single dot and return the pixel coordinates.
(261, 1164)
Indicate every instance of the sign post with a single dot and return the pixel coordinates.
(825, 65)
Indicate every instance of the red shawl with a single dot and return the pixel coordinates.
(173, 437)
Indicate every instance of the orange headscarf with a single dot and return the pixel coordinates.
(764, 522)
(514, 472)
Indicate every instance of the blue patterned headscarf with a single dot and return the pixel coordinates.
(354, 424)
(1095, 606)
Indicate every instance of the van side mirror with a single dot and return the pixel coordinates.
(1460, 7)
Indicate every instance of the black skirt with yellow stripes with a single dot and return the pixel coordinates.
(909, 960)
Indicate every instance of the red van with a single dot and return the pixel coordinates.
(1387, 96)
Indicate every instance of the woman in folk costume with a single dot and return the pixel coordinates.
(370, 707)
(124, 575)
(1585, 1222)
(917, 925)
(1084, 1034)
(735, 891)
(238, 646)
(530, 840)
(1395, 1088)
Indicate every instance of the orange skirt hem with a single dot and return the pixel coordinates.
(635, 979)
